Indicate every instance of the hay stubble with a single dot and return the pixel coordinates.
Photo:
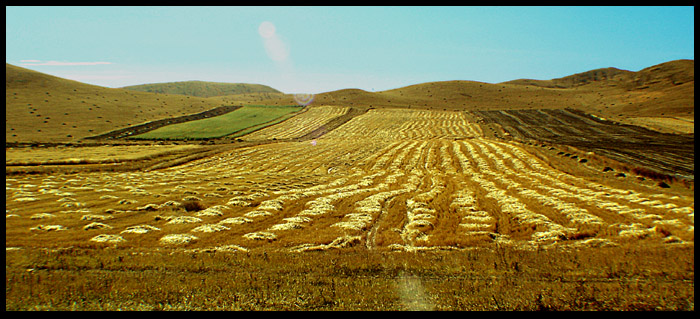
(388, 180)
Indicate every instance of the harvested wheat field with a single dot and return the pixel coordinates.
(463, 158)
(393, 209)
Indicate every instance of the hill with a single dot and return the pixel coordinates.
(660, 97)
(202, 88)
(44, 108)
(610, 76)
(662, 75)
(447, 95)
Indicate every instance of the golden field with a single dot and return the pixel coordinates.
(355, 205)
(385, 184)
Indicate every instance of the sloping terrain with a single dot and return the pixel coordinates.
(610, 76)
(41, 108)
(637, 146)
(389, 179)
(660, 97)
(385, 177)
(299, 126)
(202, 88)
(135, 130)
(450, 95)
(238, 121)
(347, 207)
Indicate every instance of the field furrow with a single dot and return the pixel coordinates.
(386, 179)
(588, 205)
(299, 125)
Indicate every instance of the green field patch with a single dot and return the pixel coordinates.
(239, 122)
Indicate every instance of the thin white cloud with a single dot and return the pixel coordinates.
(59, 63)
(95, 77)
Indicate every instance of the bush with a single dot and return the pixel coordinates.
(193, 206)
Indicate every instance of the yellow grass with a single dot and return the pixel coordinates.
(665, 124)
(97, 154)
(385, 185)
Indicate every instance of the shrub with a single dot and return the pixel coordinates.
(192, 206)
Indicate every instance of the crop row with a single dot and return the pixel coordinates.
(300, 124)
(344, 190)
(583, 205)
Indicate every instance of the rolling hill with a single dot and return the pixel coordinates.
(655, 97)
(202, 88)
(662, 75)
(659, 97)
(44, 108)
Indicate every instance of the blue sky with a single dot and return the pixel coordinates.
(321, 49)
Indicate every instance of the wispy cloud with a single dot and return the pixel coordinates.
(59, 63)
(95, 77)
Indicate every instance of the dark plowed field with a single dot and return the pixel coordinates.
(639, 147)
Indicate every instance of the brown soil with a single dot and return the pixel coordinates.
(639, 147)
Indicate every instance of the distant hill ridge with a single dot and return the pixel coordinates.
(578, 79)
(674, 72)
(202, 88)
(45, 108)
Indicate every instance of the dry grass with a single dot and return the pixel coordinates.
(297, 126)
(105, 238)
(177, 239)
(42, 108)
(231, 278)
(85, 155)
(413, 199)
(675, 125)
(210, 228)
(140, 229)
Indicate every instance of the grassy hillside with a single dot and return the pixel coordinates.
(202, 89)
(455, 95)
(667, 87)
(44, 108)
(448, 95)
(670, 85)
(659, 97)
(229, 123)
(611, 76)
